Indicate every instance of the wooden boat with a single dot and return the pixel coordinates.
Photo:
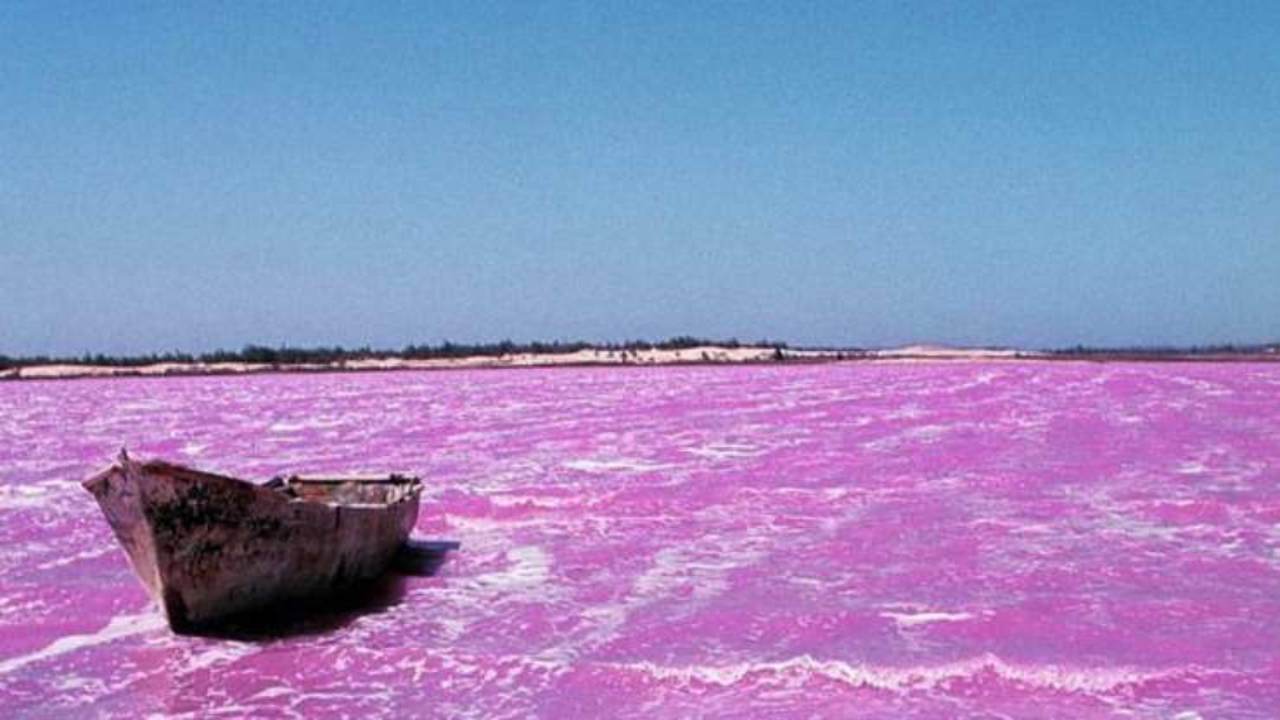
(208, 546)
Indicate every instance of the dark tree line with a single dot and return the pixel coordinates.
(1158, 350)
(286, 355)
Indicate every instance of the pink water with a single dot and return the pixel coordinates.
(896, 541)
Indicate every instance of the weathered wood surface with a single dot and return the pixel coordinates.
(208, 546)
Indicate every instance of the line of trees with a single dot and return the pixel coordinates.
(286, 355)
(1157, 350)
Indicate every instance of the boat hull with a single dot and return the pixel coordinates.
(207, 546)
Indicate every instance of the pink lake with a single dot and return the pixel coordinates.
(1066, 540)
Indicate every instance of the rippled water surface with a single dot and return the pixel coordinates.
(896, 541)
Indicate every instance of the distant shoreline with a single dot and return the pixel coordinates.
(597, 357)
(697, 355)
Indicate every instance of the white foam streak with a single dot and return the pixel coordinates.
(33, 495)
(924, 618)
(529, 567)
(905, 679)
(120, 626)
(613, 465)
(216, 655)
(725, 451)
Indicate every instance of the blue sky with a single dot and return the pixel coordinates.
(1036, 174)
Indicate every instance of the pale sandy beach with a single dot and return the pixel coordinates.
(705, 354)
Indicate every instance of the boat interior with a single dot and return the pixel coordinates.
(383, 490)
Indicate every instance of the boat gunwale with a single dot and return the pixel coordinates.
(174, 470)
(391, 479)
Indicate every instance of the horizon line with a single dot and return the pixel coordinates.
(449, 348)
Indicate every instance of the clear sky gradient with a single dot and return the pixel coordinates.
(201, 175)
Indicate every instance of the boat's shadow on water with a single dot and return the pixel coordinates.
(417, 558)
